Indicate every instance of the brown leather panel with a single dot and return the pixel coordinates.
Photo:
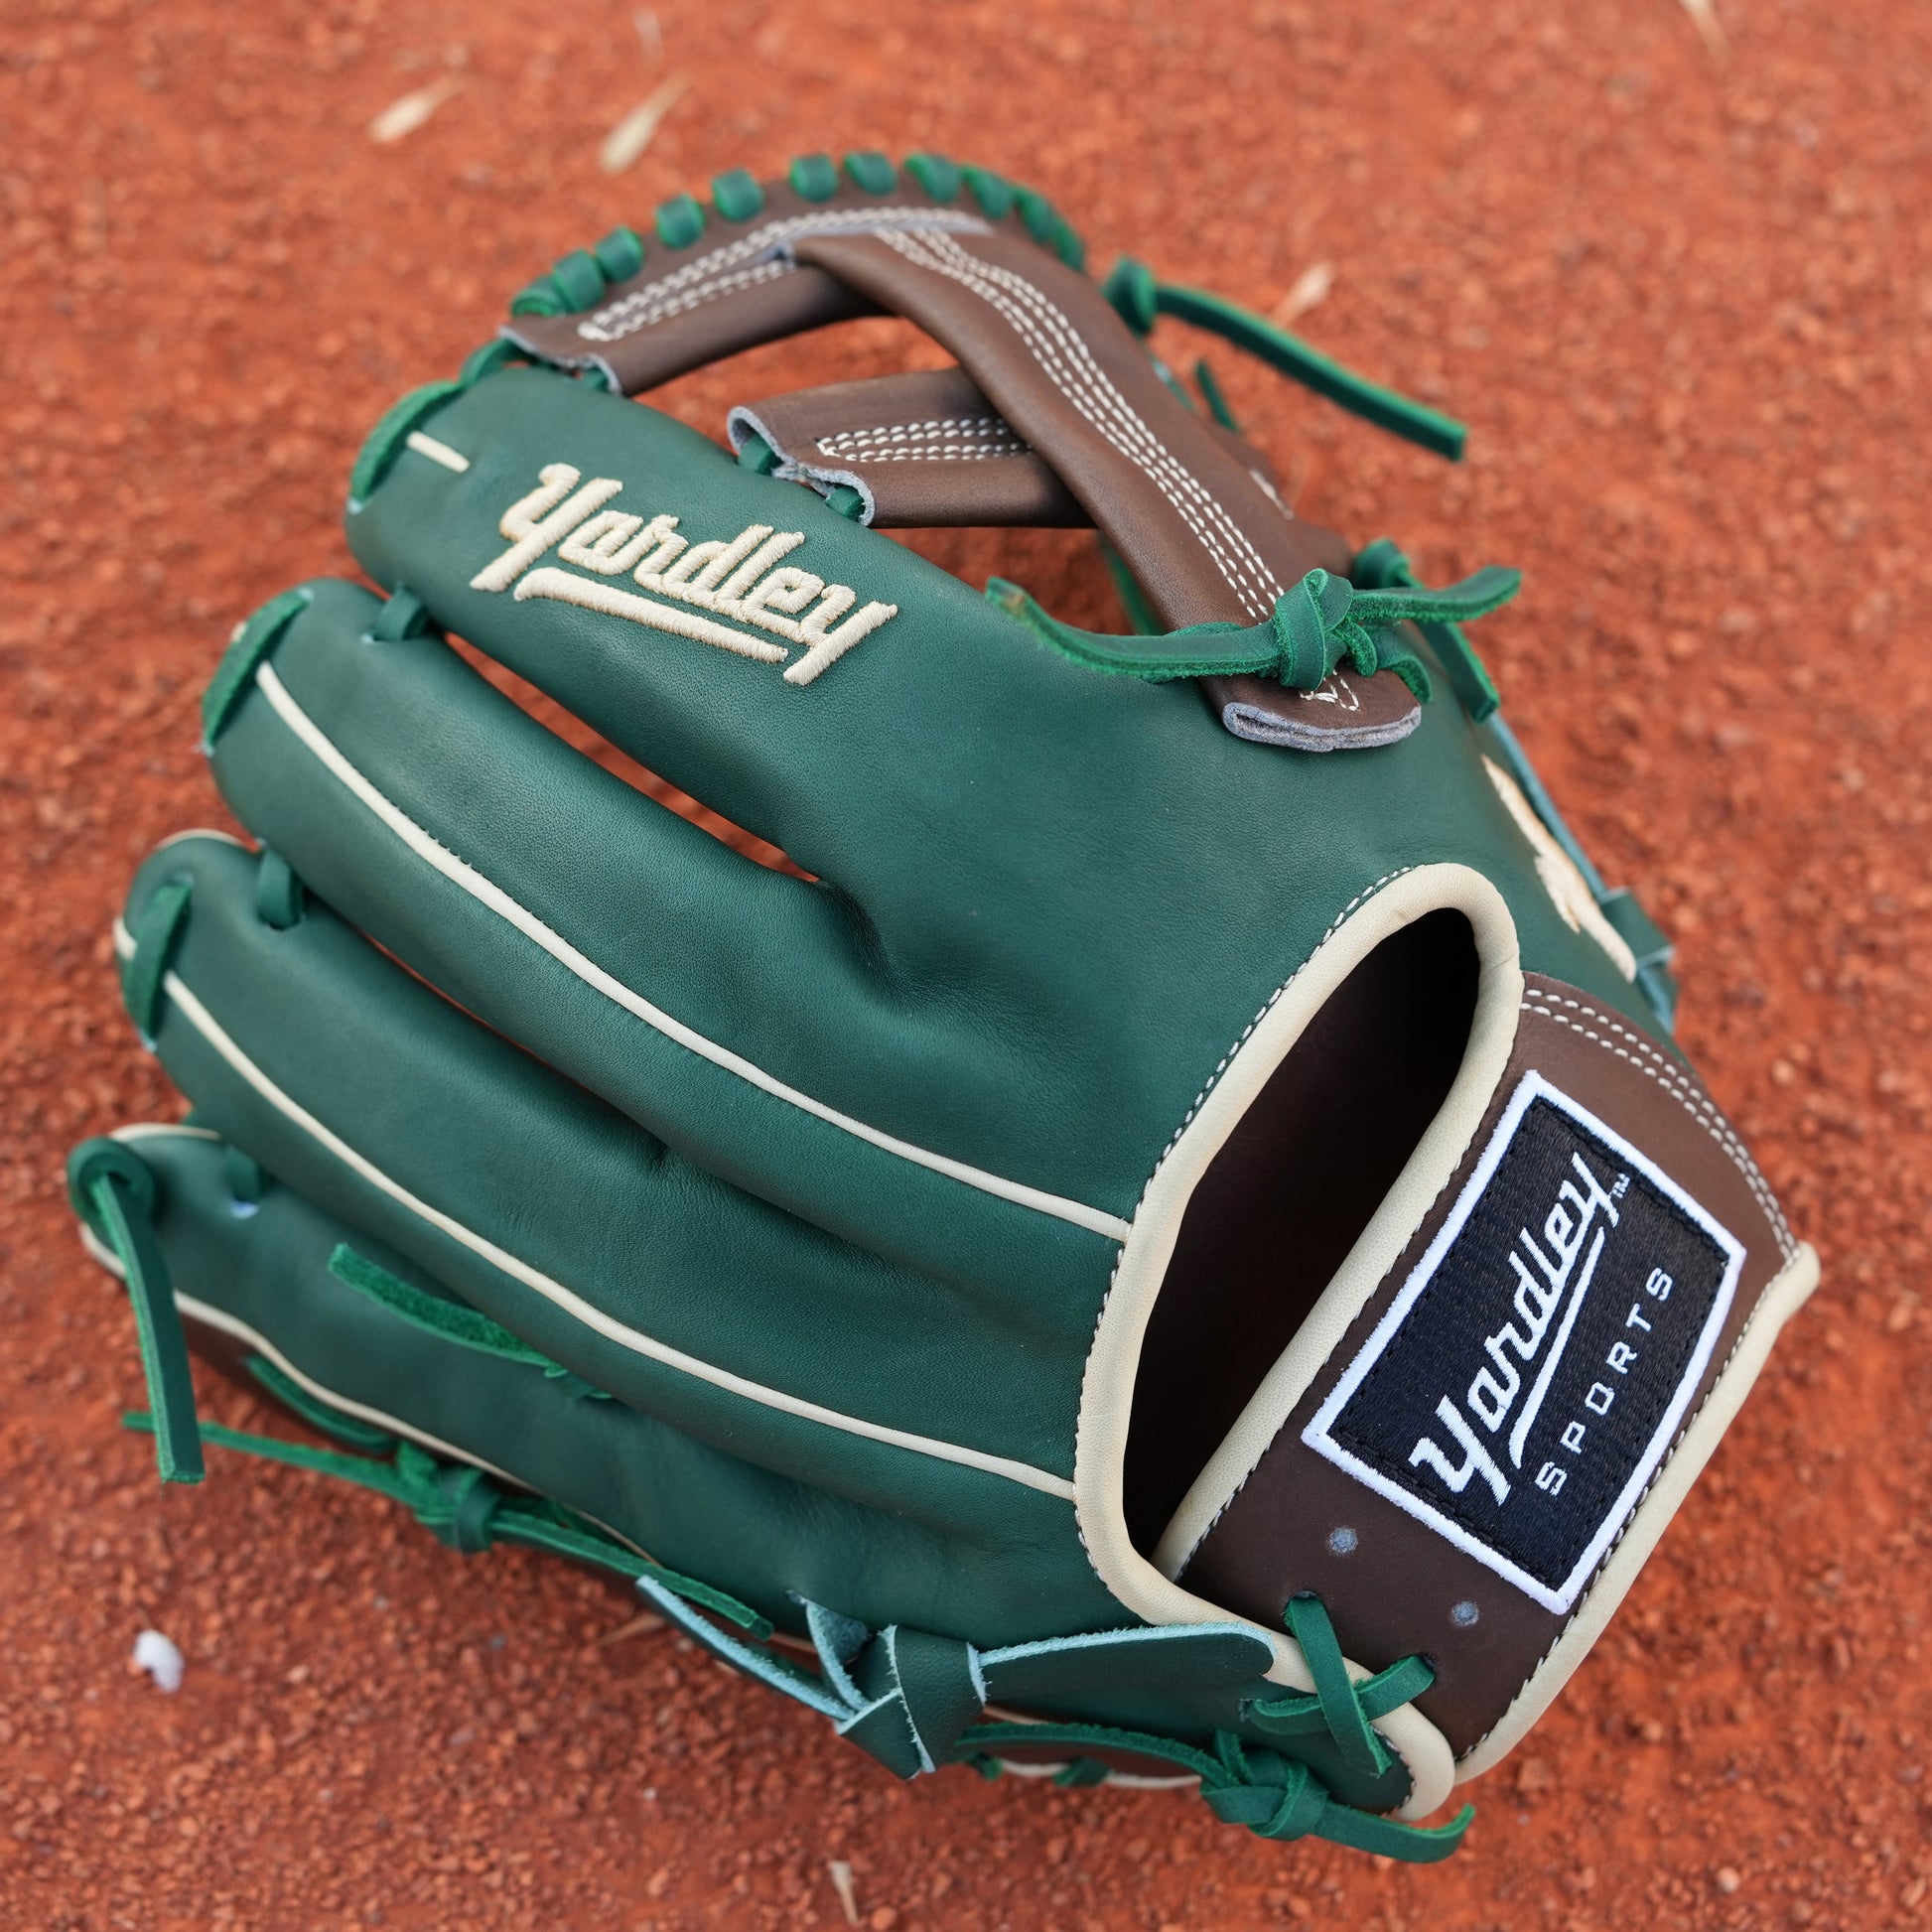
(1203, 537)
(1261, 467)
(930, 452)
(925, 447)
(1392, 1595)
(1206, 540)
(1190, 507)
(737, 286)
(669, 348)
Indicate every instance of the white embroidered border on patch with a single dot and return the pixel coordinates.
(1316, 1435)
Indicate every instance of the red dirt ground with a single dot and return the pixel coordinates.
(1684, 301)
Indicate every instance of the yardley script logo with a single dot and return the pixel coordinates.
(1527, 1381)
(1574, 1235)
(703, 591)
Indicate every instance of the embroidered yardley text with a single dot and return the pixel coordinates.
(736, 592)
(1548, 1278)
(1526, 1381)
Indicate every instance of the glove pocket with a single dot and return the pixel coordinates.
(1465, 1286)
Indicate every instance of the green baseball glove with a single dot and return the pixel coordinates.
(1172, 1243)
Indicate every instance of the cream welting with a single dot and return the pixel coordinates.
(1113, 1361)
(436, 451)
(1428, 1170)
(1785, 1295)
(589, 1314)
(489, 894)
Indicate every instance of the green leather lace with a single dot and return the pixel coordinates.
(915, 1699)
(1139, 296)
(1323, 622)
(115, 1193)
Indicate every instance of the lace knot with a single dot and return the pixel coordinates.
(1273, 1796)
(1313, 631)
(455, 1501)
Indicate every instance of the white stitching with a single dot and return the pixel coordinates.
(1255, 565)
(1063, 354)
(1076, 346)
(652, 307)
(951, 438)
(1268, 1007)
(706, 275)
(1091, 390)
(1207, 1086)
(1689, 1097)
(928, 452)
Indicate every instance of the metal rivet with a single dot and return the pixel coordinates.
(1343, 1541)
(1464, 1614)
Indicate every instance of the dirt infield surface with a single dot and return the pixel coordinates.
(1679, 282)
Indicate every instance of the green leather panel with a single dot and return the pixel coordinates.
(973, 1555)
(754, 959)
(954, 1553)
(1082, 886)
(1049, 903)
(514, 1153)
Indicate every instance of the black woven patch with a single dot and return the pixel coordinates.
(1529, 1378)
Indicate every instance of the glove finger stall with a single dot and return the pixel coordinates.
(356, 1084)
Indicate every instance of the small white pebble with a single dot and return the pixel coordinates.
(162, 1661)
(632, 135)
(1311, 289)
(406, 115)
(842, 1885)
(1728, 1879)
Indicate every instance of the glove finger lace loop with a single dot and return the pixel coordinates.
(450, 1321)
(1339, 1705)
(908, 1698)
(115, 1193)
(1139, 298)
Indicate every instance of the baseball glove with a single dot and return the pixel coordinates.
(1170, 1241)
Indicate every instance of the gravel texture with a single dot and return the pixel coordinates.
(1683, 299)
